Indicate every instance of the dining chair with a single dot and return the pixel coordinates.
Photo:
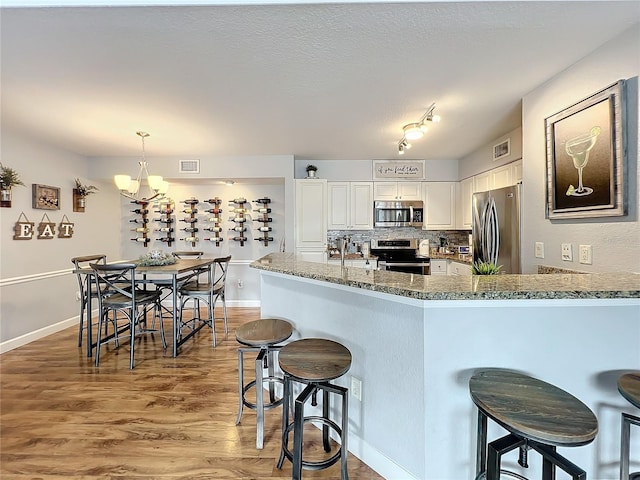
(117, 292)
(86, 288)
(207, 286)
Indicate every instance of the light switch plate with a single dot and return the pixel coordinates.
(567, 254)
(586, 254)
(539, 250)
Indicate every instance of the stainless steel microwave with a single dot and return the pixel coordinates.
(398, 213)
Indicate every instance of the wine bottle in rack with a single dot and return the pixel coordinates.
(214, 239)
(168, 211)
(213, 229)
(189, 220)
(238, 210)
(190, 210)
(191, 201)
(215, 201)
(140, 202)
(163, 220)
(263, 200)
(215, 211)
(139, 220)
(214, 220)
(265, 229)
(238, 219)
(238, 229)
(190, 239)
(238, 200)
(190, 229)
(240, 239)
(269, 219)
(140, 239)
(140, 211)
(264, 239)
(262, 210)
(163, 229)
(140, 230)
(167, 239)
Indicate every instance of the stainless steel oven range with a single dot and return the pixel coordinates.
(400, 255)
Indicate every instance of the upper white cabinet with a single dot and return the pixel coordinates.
(439, 205)
(397, 190)
(311, 217)
(482, 182)
(350, 205)
(501, 177)
(463, 205)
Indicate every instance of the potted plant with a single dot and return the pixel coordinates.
(8, 178)
(311, 171)
(485, 268)
(80, 193)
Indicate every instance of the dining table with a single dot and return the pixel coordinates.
(170, 277)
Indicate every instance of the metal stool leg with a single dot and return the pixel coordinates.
(481, 444)
(240, 385)
(259, 399)
(625, 439)
(343, 435)
(286, 396)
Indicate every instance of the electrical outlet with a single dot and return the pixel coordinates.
(539, 249)
(567, 253)
(240, 283)
(586, 254)
(356, 388)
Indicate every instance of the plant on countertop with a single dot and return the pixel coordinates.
(485, 268)
(84, 190)
(9, 178)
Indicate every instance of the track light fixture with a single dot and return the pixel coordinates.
(416, 130)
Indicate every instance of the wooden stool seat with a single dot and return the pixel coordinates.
(315, 359)
(537, 415)
(629, 388)
(261, 336)
(314, 362)
(268, 331)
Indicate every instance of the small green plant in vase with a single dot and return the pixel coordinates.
(81, 191)
(311, 171)
(485, 268)
(8, 179)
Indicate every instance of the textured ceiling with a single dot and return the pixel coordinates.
(319, 81)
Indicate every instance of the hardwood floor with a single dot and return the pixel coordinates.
(169, 418)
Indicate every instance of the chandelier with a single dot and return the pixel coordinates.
(156, 185)
(416, 130)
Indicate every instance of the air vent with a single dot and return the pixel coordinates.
(189, 166)
(502, 149)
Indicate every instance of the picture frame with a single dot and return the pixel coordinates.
(586, 157)
(398, 169)
(45, 197)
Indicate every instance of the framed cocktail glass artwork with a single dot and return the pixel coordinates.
(45, 197)
(586, 157)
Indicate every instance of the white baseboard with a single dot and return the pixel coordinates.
(382, 464)
(37, 334)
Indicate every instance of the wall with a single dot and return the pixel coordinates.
(36, 287)
(615, 240)
(481, 160)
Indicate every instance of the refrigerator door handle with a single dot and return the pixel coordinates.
(491, 232)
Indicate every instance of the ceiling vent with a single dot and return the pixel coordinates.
(189, 166)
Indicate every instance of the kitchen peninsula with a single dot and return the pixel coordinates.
(416, 341)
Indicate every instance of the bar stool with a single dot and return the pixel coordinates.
(313, 362)
(536, 414)
(629, 388)
(260, 336)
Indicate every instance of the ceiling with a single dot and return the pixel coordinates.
(315, 80)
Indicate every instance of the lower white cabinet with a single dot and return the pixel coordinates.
(438, 267)
(457, 268)
(312, 254)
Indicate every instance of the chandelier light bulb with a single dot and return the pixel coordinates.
(413, 131)
(122, 181)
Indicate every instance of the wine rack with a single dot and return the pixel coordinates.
(239, 219)
(216, 229)
(264, 210)
(142, 223)
(191, 220)
(165, 222)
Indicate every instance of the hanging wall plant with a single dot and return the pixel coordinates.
(80, 194)
(8, 179)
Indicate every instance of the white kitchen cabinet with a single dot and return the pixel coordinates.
(482, 182)
(311, 219)
(516, 173)
(350, 205)
(464, 203)
(438, 266)
(500, 177)
(458, 268)
(397, 190)
(439, 205)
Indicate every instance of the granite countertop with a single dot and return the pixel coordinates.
(443, 287)
(352, 256)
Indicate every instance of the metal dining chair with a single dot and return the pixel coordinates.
(117, 292)
(86, 289)
(207, 286)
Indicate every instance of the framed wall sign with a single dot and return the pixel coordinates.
(45, 197)
(586, 157)
(398, 169)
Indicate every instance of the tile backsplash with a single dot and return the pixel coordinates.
(453, 237)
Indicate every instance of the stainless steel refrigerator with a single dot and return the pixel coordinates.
(496, 227)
